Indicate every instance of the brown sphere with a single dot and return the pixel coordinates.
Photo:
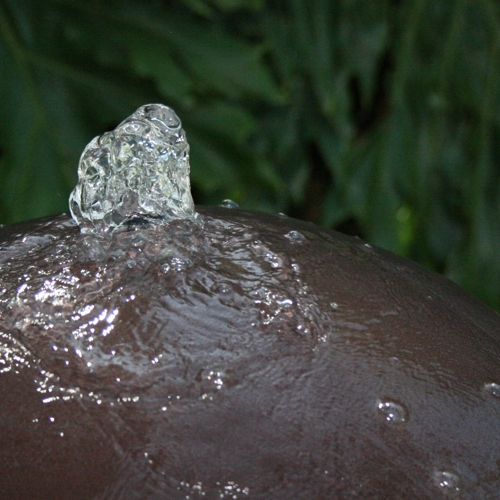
(254, 356)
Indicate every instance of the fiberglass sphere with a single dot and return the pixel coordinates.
(150, 350)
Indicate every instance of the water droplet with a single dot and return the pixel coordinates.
(295, 237)
(281, 214)
(137, 172)
(228, 204)
(392, 412)
(492, 389)
(447, 481)
(334, 306)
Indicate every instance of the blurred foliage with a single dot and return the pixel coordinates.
(376, 118)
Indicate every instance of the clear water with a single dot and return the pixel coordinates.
(140, 170)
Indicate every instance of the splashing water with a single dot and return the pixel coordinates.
(139, 171)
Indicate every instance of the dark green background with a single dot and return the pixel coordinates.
(378, 118)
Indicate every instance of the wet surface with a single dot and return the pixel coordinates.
(244, 356)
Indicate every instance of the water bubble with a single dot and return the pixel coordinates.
(228, 204)
(334, 306)
(492, 389)
(393, 412)
(139, 172)
(447, 481)
(295, 237)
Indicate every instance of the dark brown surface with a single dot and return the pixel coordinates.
(228, 373)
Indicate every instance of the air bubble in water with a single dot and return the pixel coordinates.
(295, 237)
(139, 172)
(493, 389)
(393, 413)
(228, 204)
(447, 481)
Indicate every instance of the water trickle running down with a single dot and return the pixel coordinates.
(137, 172)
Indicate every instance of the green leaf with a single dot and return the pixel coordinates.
(223, 63)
